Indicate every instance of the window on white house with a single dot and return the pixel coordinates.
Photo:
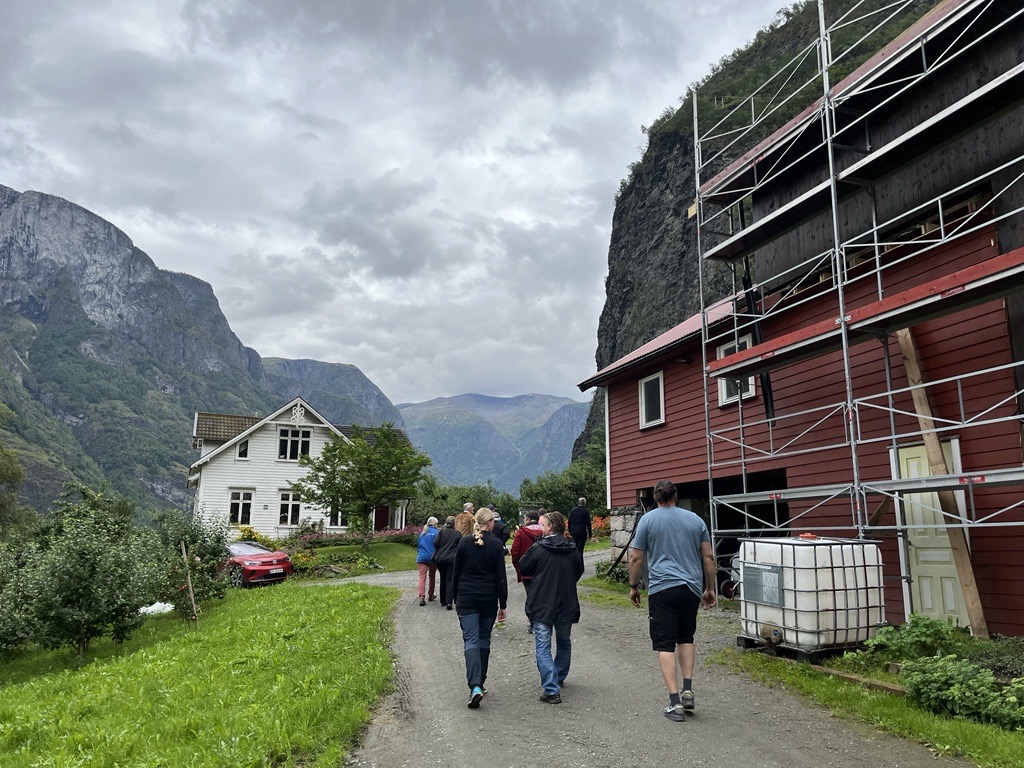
(243, 449)
(293, 443)
(337, 520)
(291, 504)
(652, 400)
(240, 508)
(733, 390)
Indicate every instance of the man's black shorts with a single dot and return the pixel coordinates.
(673, 617)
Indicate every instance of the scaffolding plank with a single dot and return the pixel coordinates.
(996, 96)
(788, 494)
(960, 482)
(987, 280)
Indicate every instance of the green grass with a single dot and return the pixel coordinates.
(596, 545)
(601, 592)
(394, 557)
(276, 676)
(986, 745)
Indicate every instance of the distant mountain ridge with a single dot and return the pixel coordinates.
(473, 438)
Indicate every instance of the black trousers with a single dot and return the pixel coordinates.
(446, 582)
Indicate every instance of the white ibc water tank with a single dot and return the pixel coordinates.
(810, 593)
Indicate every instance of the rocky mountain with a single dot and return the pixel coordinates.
(652, 282)
(475, 438)
(104, 358)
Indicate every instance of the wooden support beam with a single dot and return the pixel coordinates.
(947, 501)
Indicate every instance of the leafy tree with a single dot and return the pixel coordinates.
(206, 546)
(433, 498)
(560, 490)
(15, 598)
(94, 570)
(353, 477)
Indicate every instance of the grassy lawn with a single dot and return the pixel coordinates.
(394, 557)
(986, 745)
(284, 675)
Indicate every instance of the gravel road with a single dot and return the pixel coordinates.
(612, 702)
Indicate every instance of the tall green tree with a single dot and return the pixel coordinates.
(433, 498)
(93, 571)
(352, 477)
(560, 490)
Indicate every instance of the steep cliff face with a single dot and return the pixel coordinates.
(46, 241)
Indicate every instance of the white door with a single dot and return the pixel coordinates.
(935, 586)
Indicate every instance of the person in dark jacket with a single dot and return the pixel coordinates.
(580, 528)
(554, 566)
(445, 544)
(501, 531)
(480, 592)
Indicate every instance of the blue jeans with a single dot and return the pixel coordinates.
(553, 670)
(476, 639)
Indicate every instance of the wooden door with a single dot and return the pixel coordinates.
(935, 586)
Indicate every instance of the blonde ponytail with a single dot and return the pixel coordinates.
(483, 517)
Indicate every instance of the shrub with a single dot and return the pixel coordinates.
(247, 533)
(957, 687)
(94, 571)
(920, 636)
(206, 544)
(618, 574)
(15, 616)
(1003, 655)
(599, 526)
(331, 564)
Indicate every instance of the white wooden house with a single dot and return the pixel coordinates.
(247, 463)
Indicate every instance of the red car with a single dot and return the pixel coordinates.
(251, 563)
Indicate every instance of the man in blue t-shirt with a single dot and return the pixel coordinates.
(675, 546)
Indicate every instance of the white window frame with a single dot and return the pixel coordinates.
(290, 506)
(729, 348)
(243, 498)
(644, 423)
(296, 440)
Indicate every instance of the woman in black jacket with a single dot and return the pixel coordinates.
(480, 592)
(445, 544)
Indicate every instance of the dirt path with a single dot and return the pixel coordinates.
(612, 702)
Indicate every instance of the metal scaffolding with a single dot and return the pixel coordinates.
(839, 134)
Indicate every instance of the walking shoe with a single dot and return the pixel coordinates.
(422, 601)
(529, 630)
(687, 699)
(551, 698)
(449, 606)
(474, 698)
(432, 598)
(675, 712)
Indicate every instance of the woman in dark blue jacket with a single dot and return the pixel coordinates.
(480, 592)
(425, 559)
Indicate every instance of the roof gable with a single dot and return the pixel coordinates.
(298, 412)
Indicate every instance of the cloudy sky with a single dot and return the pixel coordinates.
(422, 188)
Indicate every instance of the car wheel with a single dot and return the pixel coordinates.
(237, 578)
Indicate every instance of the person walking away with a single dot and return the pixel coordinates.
(554, 566)
(528, 533)
(445, 544)
(501, 531)
(425, 558)
(675, 546)
(480, 592)
(464, 521)
(580, 528)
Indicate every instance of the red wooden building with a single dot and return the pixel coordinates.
(866, 378)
